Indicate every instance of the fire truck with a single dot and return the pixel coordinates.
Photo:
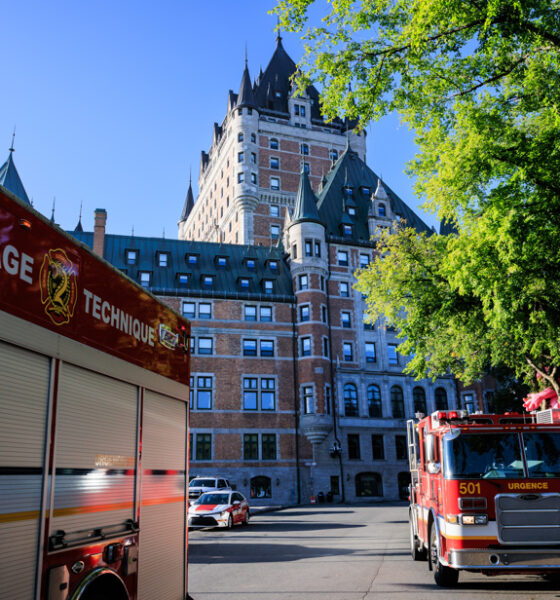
(94, 375)
(485, 493)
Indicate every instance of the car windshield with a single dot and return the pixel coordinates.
(542, 451)
(483, 456)
(213, 499)
(203, 483)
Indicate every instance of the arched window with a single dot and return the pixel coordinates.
(369, 484)
(403, 480)
(397, 402)
(351, 400)
(261, 487)
(419, 396)
(273, 144)
(381, 210)
(375, 407)
(441, 399)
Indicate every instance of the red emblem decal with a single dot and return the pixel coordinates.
(59, 289)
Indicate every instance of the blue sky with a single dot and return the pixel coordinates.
(113, 102)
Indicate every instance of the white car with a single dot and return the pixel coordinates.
(219, 509)
(200, 485)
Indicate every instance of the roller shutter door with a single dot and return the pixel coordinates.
(161, 561)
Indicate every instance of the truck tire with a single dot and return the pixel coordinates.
(443, 576)
(416, 551)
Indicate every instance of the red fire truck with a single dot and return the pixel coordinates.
(94, 375)
(485, 493)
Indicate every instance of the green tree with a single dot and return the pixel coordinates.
(478, 82)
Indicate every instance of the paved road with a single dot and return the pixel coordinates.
(331, 552)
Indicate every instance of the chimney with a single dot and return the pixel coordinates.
(99, 231)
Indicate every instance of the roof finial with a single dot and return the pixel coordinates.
(245, 53)
(279, 36)
(53, 206)
(190, 175)
(163, 234)
(133, 231)
(12, 149)
(80, 217)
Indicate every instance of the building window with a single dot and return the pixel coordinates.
(375, 407)
(204, 393)
(306, 168)
(254, 178)
(351, 211)
(308, 404)
(324, 314)
(268, 446)
(268, 286)
(354, 446)
(253, 158)
(239, 137)
(344, 289)
(145, 277)
(249, 347)
(441, 399)
(208, 281)
(273, 144)
(304, 312)
(346, 319)
(261, 487)
(294, 251)
(205, 345)
(400, 447)
(317, 248)
(203, 446)
(274, 231)
(377, 447)
(250, 312)
(364, 260)
(304, 149)
(342, 258)
(351, 401)
(347, 351)
(306, 346)
(308, 248)
(392, 354)
(274, 183)
(253, 138)
(303, 282)
(265, 314)
(250, 264)
(182, 279)
(240, 178)
(333, 155)
(326, 347)
(419, 398)
(296, 109)
(328, 399)
(244, 284)
(274, 162)
(268, 393)
(347, 231)
(369, 484)
(131, 257)
(370, 352)
(381, 210)
(267, 347)
(163, 259)
(273, 265)
(204, 310)
(240, 157)
(274, 210)
(251, 446)
(397, 402)
(468, 402)
(250, 393)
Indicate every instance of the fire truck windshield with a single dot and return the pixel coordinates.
(542, 451)
(482, 456)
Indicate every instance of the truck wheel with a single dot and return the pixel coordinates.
(443, 576)
(417, 552)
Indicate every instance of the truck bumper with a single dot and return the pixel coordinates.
(502, 559)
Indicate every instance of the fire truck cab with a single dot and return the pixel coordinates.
(485, 493)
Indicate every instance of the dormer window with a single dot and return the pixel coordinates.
(381, 210)
(244, 284)
(351, 211)
(348, 191)
(163, 259)
(221, 262)
(145, 278)
(192, 259)
(273, 144)
(273, 265)
(268, 286)
(131, 257)
(347, 230)
(182, 278)
(278, 94)
(208, 281)
(366, 191)
(250, 264)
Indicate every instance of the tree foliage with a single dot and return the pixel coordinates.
(478, 82)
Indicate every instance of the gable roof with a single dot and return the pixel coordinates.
(10, 179)
(352, 172)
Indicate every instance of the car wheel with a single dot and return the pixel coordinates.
(443, 576)
(416, 551)
(246, 518)
(230, 522)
